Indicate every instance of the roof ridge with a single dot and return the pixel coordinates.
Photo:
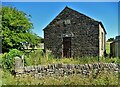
(67, 7)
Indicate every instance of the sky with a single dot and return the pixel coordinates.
(44, 12)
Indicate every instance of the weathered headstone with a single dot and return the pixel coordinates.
(19, 65)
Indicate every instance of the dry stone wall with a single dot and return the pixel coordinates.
(67, 69)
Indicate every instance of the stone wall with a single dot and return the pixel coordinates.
(83, 30)
(68, 69)
(115, 47)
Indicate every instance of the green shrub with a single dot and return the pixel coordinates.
(27, 61)
(8, 59)
(34, 58)
(113, 60)
(118, 60)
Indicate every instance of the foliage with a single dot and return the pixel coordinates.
(109, 60)
(106, 78)
(42, 40)
(39, 57)
(7, 78)
(110, 39)
(16, 28)
(103, 78)
(108, 47)
(49, 59)
(33, 39)
(8, 59)
(34, 58)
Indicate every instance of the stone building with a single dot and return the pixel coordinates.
(115, 47)
(73, 34)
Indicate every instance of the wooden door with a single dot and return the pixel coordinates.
(67, 47)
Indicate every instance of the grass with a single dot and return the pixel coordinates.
(108, 47)
(37, 57)
(103, 78)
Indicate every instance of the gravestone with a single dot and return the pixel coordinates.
(19, 64)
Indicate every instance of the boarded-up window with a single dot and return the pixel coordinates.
(67, 21)
(63, 23)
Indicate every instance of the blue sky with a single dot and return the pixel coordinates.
(44, 12)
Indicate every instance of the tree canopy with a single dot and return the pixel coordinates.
(110, 39)
(16, 29)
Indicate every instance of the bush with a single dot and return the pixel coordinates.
(8, 59)
(33, 58)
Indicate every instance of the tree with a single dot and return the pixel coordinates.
(110, 39)
(16, 28)
(42, 40)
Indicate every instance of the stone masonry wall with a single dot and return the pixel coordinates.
(84, 33)
(68, 69)
(115, 47)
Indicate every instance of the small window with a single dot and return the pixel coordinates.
(67, 21)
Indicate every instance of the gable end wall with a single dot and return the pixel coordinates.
(84, 33)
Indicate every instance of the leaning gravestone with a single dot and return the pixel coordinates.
(19, 65)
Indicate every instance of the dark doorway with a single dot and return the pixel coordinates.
(67, 47)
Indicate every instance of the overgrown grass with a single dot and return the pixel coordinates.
(37, 57)
(108, 47)
(103, 78)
